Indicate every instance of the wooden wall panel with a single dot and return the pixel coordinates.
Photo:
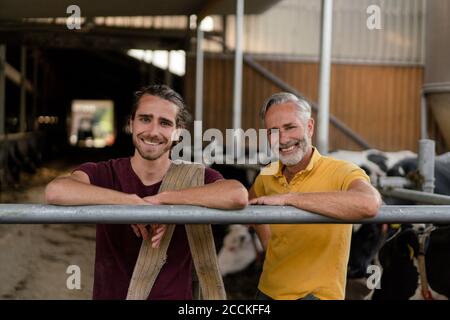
(381, 103)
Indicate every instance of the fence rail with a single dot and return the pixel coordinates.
(115, 214)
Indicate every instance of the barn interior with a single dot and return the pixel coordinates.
(68, 74)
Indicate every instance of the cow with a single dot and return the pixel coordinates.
(374, 162)
(400, 258)
(364, 246)
(367, 239)
(240, 248)
(408, 167)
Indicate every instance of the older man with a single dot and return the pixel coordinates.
(157, 115)
(307, 261)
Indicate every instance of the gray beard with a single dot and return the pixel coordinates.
(291, 160)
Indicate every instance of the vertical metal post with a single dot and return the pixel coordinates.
(198, 90)
(238, 55)
(35, 88)
(426, 164)
(23, 91)
(2, 88)
(325, 72)
(423, 116)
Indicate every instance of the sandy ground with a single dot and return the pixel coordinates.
(34, 258)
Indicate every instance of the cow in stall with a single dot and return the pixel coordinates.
(414, 271)
(374, 162)
(240, 249)
(401, 277)
(416, 262)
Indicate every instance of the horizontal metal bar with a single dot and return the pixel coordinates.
(114, 214)
(419, 196)
(438, 87)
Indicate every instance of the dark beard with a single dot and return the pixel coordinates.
(150, 157)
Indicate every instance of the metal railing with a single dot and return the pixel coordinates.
(118, 214)
(413, 195)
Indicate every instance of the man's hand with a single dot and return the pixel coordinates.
(155, 199)
(276, 200)
(157, 232)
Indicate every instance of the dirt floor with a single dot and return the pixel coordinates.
(34, 258)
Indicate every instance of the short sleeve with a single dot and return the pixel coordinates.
(90, 168)
(349, 173)
(258, 187)
(212, 175)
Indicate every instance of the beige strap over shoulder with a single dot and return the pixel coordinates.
(201, 242)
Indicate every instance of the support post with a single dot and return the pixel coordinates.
(325, 72)
(238, 58)
(199, 61)
(426, 164)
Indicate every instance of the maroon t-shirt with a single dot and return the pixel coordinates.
(117, 246)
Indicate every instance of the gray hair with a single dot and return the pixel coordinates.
(303, 106)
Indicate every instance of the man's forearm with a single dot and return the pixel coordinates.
(67, 191)
(340, 205)
(223, 194)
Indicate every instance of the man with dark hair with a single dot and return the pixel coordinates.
(158, 113)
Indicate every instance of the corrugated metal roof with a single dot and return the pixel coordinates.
(292, 28)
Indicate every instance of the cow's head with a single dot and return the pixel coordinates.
(367, 239)
(400, 276)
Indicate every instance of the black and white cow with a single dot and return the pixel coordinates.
(367, 239)
(363, 252)
(399, 259)
(240, 249)
(374, 162)
(408, 167)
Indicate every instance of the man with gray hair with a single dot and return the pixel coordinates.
(307, 261)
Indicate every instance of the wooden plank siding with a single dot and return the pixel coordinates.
(381, 103)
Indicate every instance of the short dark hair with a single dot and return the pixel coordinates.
(164, 92)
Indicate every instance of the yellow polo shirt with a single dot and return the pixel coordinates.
(304, 259)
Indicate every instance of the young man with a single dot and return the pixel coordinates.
(157, 114)
(307, 261)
